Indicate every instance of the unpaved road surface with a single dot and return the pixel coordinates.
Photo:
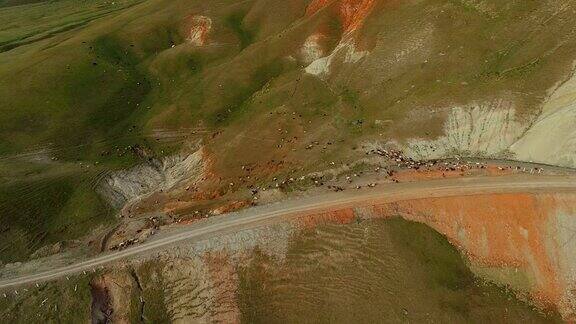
(265, 215)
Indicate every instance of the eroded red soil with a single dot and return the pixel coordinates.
(198, 30)
(225, 282)
(351, 13)
(343, 216)
(530, 233)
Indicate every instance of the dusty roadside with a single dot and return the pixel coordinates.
(267, 214)
(464, 209)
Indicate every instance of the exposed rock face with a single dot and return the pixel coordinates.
(481, 129)
(124, 186)
(345, 52)
(552, 138)
(479, 118)
(351, 14)
(199, 29)
(312, 49)
(493, 129)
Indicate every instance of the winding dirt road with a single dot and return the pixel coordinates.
(265, 215)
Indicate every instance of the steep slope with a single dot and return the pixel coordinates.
(552, 137)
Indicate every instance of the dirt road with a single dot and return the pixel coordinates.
(263, 215)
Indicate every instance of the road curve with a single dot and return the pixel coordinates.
(259, 216)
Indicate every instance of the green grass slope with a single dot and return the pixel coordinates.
(84, 79)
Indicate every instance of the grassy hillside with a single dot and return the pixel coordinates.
(48, 205)
(83, 81)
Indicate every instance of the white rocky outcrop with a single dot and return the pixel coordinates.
(345, 52)
(552, 138)
(124, 186)
(312, 49)
(479, 129)
(492, 129)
